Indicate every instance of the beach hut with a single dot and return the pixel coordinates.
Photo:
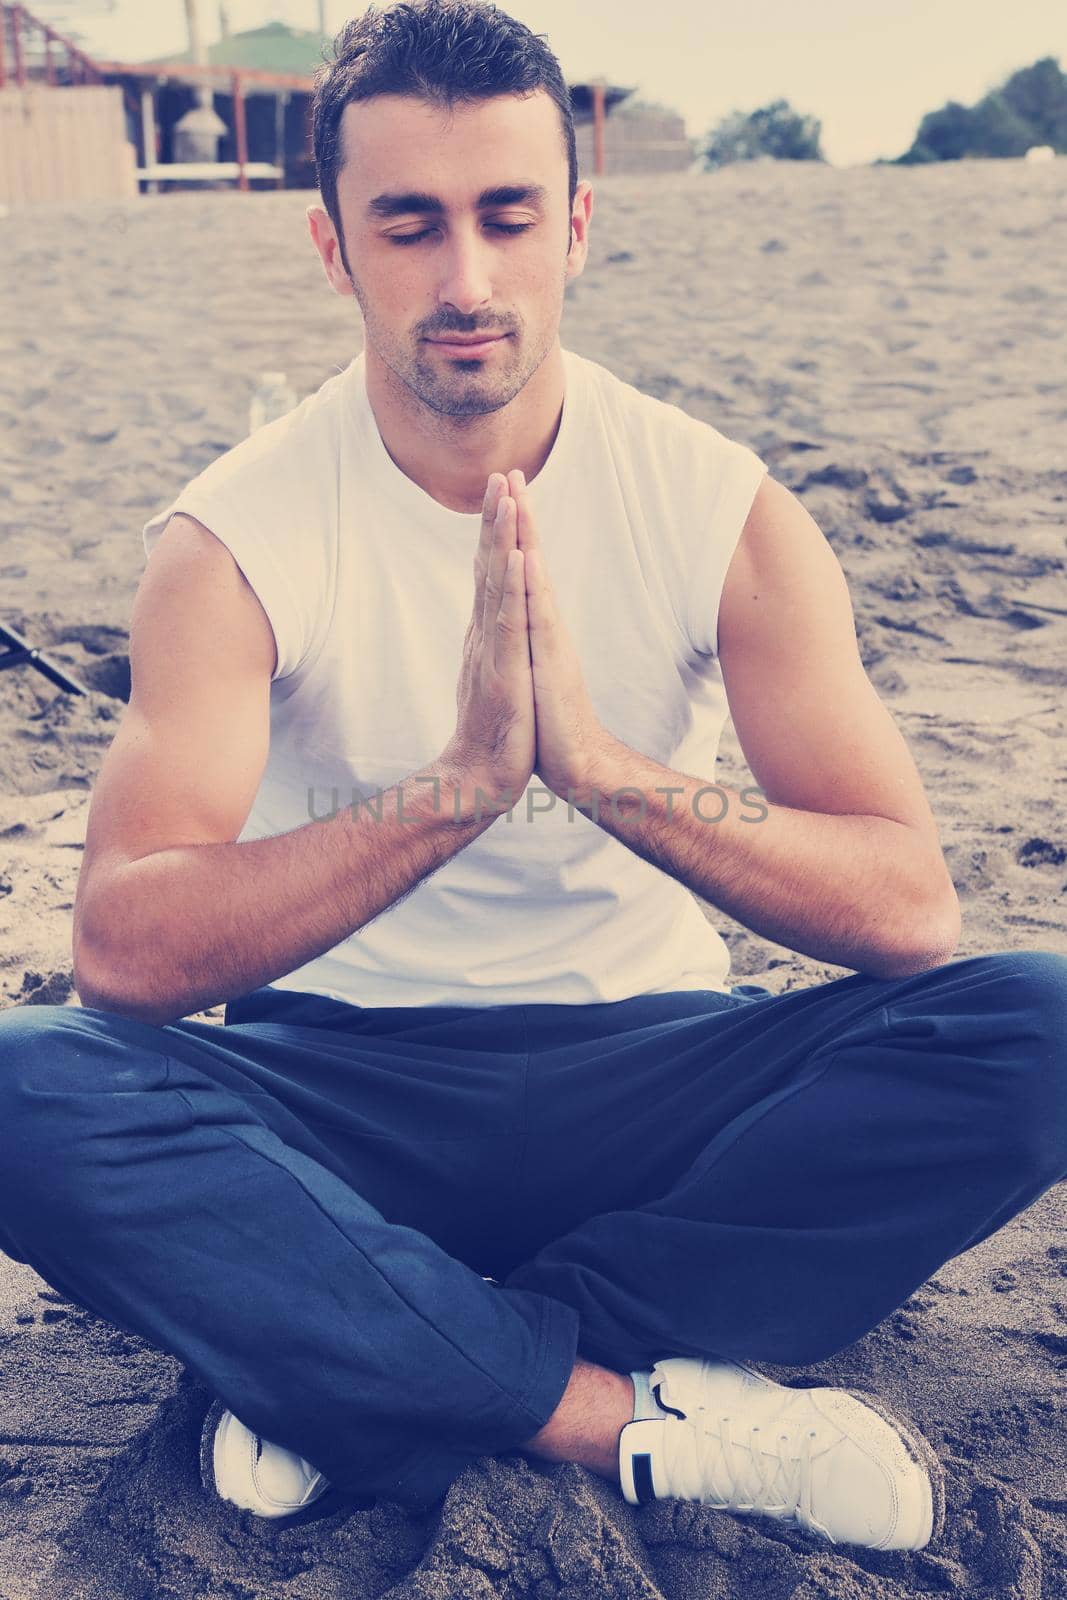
(615, 134)
(241, 113)
(251, 126)
(64, 131)
(276, 65)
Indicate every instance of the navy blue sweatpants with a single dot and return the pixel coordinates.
(301, 1205)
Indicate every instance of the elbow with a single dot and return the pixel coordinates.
(91, 962)
(108, 974)
(90, 976)
(944, 925)
(107, 983)
(120, 1003)
(96, 990)
(929, 938)
(101, 986)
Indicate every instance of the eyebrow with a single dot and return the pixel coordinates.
(507, 194)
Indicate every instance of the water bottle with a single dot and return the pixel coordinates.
(273, 397)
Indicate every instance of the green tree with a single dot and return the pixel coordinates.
(774, 130)
(999, 130)
(943, 135)
(1038, 96)
(1029, 108)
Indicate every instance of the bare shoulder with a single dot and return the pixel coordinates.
(191, 571)
(810, 722)
(782, 550)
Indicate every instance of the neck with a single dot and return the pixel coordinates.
(451, 458)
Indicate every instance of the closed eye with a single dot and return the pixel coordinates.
(502, 227)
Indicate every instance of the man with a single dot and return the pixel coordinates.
(488, 1154)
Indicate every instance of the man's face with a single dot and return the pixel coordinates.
(498, 267)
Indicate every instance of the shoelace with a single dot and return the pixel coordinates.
(792, 1468)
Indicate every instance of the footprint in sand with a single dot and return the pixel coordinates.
(1039, 852)
(1057, 1254)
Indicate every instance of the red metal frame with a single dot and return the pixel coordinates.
(16, 40)
(198, 74)
(21, 18)
(239, 79)
(240, 130)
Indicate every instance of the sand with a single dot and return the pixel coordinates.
(892, 342)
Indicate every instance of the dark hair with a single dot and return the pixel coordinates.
(443, 51)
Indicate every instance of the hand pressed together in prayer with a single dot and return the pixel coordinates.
(523, 709)
(570, 736)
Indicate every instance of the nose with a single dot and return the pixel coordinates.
(465, 273)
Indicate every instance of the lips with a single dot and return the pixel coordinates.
(469, 346)
(467, 338)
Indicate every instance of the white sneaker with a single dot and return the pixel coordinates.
(255, 1474)
(832, 1461)
(251, 1472)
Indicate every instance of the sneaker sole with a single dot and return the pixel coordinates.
(327, 1503)
(207, 1447)
(921, 1452)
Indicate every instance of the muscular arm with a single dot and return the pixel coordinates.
(842, 862)
(171, 914)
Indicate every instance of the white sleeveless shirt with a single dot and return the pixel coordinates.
(368, 585)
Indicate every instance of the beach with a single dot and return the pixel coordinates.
(892, 342)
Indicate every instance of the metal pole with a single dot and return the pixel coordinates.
(148, 131)
(23, 653)
(198, 51)
(192, 23)
(16, 39)
(240, 130)
(281, 101)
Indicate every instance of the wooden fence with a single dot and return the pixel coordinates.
(636, 139)
(64, 144)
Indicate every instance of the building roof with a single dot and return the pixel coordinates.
(276, 47)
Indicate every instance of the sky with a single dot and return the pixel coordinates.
(868, 69)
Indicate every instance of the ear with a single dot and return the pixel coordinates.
(324, 238)
(579, 245)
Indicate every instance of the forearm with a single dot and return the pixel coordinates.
(190, 927)
(857, 891)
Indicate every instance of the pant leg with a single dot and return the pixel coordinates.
(772, 1176)
(249, 1198)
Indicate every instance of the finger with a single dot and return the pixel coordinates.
(503, 542)
(539, 611)
(526, 529)
(512, 646)
(494, 489)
